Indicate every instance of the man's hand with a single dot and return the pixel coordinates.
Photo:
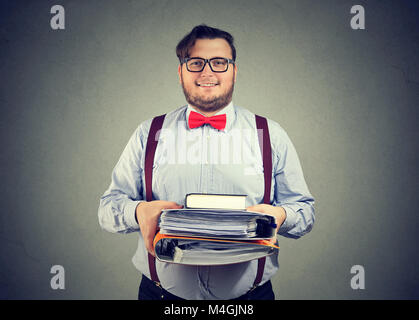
(278, 213)
(148, 214)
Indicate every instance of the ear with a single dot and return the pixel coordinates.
(235, 72)
(179, 72)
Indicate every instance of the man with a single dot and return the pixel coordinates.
(191, 158)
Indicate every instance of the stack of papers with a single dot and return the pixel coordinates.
(217, 223)
(204, 251)
(214, 229)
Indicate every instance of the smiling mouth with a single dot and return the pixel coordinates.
(207, 84)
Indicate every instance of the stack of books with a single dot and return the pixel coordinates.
(214, 229)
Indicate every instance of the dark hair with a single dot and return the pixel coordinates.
(203, 32)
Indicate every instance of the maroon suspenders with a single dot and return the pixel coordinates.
(150, 150)
(265, 147)
(152, 141)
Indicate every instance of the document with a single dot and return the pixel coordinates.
(213, 233)
(217, 223)
(204, 251)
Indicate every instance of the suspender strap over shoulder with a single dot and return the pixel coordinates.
(265, 147)
(150, 150)
(152, 140)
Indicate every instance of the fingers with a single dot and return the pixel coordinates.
(148, 230)
(266, 209)
(256, 208)
(149, 220)
(273, 240)
(152, 230)
(168, 205)
(150, 248)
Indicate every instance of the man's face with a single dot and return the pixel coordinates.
(208, 91)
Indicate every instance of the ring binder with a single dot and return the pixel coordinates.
(206, 251)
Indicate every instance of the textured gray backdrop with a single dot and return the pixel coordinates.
(70, 99)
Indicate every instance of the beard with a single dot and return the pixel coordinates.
(212, 103)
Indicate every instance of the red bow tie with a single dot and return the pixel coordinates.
(196, 120)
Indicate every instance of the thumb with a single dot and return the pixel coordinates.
(173, 205)
(163, 204)
(256, 208)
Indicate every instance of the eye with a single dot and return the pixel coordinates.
(195, 63)
(219, 62)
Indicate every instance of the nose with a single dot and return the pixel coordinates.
(207, 68)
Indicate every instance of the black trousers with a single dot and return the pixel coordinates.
(150, 291)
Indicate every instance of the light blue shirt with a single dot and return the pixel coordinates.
(207, 160)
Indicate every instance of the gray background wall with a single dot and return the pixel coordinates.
(70, 99)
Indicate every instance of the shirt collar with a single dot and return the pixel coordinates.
(228, 110)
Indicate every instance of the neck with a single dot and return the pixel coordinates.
(208, 113)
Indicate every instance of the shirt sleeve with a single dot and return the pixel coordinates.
(118, 204)
(290, 189)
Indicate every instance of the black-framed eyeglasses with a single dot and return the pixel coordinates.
(216, 64)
